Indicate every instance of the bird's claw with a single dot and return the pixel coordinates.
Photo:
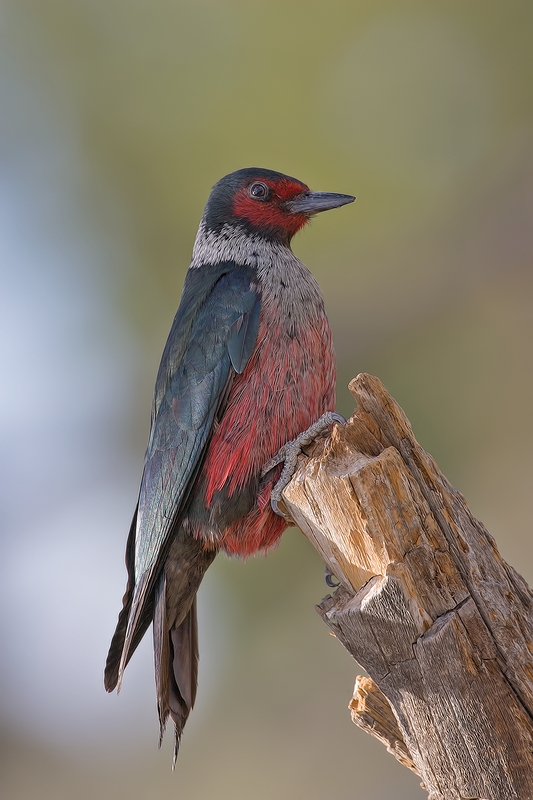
(330, 578)
(275, 508)
(289, 454)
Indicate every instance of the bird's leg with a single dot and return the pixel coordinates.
(289, 454)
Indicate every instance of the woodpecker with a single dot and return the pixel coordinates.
(248, 365)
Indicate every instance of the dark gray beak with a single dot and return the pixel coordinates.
(313, 202)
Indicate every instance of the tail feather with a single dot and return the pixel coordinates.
(172, 606)
(176, 631)
(176, 669)
(185, 669)
(184, 640)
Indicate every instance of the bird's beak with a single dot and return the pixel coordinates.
(313, 202)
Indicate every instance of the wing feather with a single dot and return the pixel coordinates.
(206, 347)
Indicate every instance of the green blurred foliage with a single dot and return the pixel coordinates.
(424, 111)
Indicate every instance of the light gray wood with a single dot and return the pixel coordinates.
(427, 606)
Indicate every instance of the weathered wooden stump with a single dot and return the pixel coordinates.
(427, 606)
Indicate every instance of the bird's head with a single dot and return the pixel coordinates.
(267, 203)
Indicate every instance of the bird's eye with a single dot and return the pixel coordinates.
(259, 190)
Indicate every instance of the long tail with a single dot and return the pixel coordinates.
(176, 631)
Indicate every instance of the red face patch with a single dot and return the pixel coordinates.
(269, 212)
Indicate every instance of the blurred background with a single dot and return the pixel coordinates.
(116, 118)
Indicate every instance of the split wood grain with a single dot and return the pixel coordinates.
(427, 606)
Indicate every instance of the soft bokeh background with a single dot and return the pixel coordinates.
(116, 117)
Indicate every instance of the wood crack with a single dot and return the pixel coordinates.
(442, 625)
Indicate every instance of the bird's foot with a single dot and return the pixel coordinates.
(289, 455)
(330, 578)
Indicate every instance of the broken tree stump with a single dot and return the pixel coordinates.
(427, 606)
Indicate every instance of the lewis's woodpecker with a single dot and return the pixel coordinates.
(248, 365)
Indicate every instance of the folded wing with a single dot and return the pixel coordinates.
(212, 339)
